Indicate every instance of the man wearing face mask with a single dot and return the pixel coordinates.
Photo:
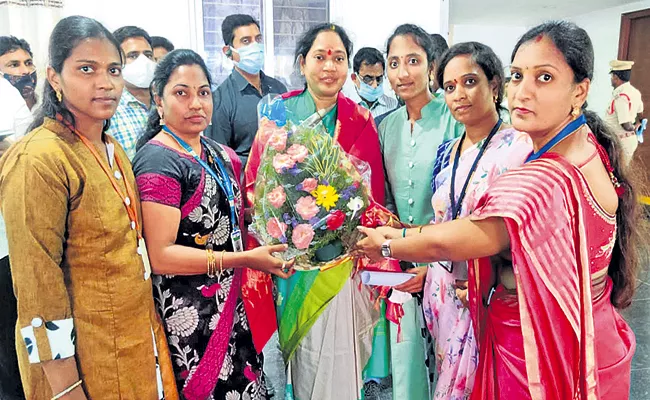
(234, 121)
(130, 119)
(17, 97)
(17, 89)
(368, 76)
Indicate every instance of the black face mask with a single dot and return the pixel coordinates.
(26, 84)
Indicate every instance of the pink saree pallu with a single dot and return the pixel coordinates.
(557, 336)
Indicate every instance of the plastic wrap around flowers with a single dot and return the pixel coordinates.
(309, 194)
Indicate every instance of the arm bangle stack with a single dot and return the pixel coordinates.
(68, 390)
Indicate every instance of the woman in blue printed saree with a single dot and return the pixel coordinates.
(325, 318)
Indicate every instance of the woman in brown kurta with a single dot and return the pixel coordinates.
(85, 303)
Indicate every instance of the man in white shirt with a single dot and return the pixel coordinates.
(15, 118)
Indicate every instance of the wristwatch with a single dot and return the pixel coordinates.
(385, 249)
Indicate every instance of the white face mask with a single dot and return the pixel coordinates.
(140, 72)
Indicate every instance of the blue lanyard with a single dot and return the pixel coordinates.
(564, 133)
(456, 206)
(223, 179)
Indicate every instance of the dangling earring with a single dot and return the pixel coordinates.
(575, 112)
(496, 99)
(162, 119)
(59, 96)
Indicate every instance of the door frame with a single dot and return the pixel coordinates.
(626, 25)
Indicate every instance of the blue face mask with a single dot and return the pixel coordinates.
(251, 58)
(370, 94)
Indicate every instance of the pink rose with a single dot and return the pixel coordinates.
(302, 236)
(307, 208)
(277, 197)
(282, 161)
(275, 228)
(266, 130)
(298, 152)
(278, 140)
(309, 185)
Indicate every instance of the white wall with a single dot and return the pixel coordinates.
(501, 38)
(604, 28)
(173, 19)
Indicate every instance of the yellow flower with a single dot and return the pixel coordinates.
(326, 196)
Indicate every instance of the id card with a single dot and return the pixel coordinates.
(447, 265)
(457, 268)
(237, 242)
(142, 250)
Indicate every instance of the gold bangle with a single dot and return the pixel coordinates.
(68, 390)
(221, 262)
(211, 263)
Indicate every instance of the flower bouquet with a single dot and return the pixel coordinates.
(309, 194)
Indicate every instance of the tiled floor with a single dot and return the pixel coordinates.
(638, 316)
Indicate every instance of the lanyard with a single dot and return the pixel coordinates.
(222, 178)
(129, 198)
(457, 205)
(571, 127)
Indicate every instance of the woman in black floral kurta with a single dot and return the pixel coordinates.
(186, 211)
(190, 306)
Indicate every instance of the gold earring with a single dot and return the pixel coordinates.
(496, 99)
(59, 96)
(575, 112)
(162, 119)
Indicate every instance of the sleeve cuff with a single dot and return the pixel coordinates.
(60, 336)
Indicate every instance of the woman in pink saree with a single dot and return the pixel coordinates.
(553, 243)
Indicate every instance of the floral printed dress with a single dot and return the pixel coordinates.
(191, 306)
(447, 319)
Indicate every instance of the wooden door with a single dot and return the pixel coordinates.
(635, 46)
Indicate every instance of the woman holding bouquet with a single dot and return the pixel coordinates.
(191, 204)
(326, 319)
(547, 325)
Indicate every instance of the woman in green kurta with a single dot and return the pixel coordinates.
(409, 139)
(325, 318)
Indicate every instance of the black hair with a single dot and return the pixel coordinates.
(159, 41)
(368, 56)
(483, 56)
(439, 45)
(574, 43)
(67, 34)
(130, 31)
(623, 75)
(164, 71)
(419, 35)
(10, 44)
(307, 40)
(231, 23)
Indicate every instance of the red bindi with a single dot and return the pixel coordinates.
(329, 52)
(539, 37)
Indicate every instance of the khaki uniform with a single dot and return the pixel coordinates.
(626, 103)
